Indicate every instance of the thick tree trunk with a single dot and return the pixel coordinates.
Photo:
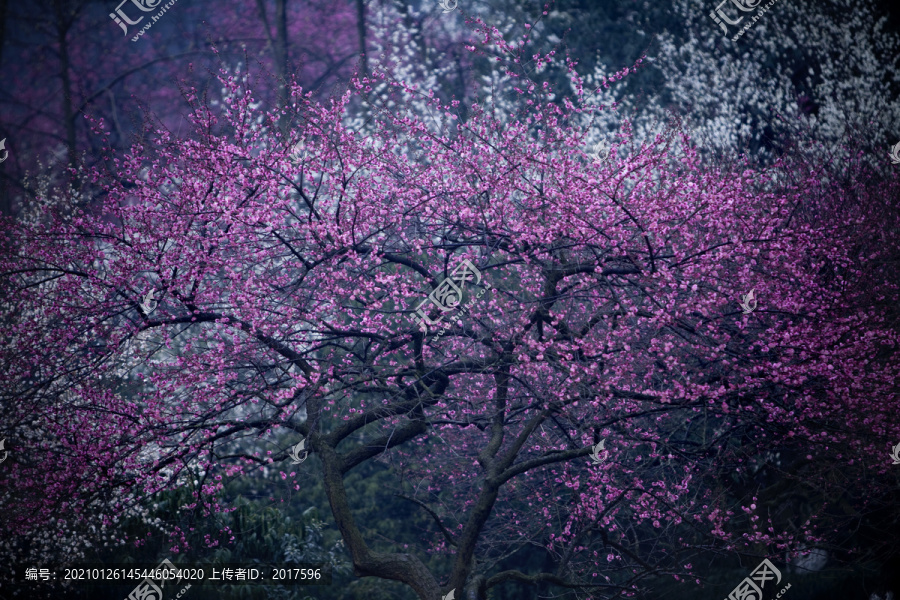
(477, 589)
(399, 567)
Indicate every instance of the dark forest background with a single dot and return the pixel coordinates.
(65, 64)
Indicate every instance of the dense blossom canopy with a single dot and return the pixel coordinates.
(287, 268)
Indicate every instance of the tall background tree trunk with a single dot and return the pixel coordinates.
(279, 45)
(361, 28)
(63, 24)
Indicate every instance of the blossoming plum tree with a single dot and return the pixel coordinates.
(286, 280)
